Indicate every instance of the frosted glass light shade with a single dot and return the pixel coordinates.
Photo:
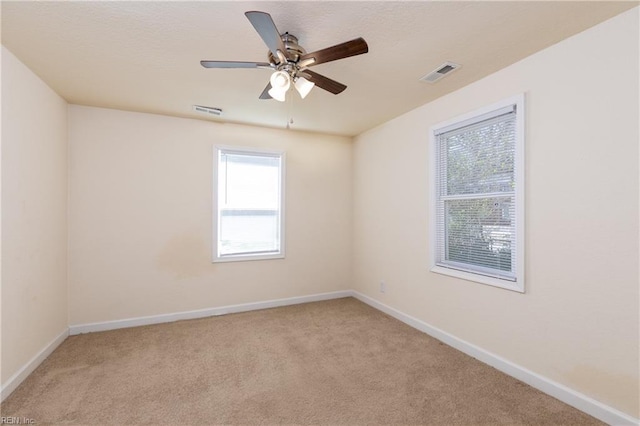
(303, 86)
(280, 83)
(276, 94)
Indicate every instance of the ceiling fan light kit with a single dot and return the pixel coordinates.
(280, 82)
(290, 61)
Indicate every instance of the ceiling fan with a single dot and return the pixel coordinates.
(290, 61)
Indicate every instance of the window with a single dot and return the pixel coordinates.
(248, 204)
(477, 214)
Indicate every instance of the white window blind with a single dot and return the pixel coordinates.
(476, 195)
(249, 204)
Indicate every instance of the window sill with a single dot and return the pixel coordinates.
(247, 257)
(516, 286)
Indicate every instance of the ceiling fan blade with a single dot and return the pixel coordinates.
(264, 25)
(265, 93)
(324, 82)
(232, 64)
(343, 50)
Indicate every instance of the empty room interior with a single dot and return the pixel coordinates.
(400, 213)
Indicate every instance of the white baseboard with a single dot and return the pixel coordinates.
(580, 401)
(202, 313)
(14, 381)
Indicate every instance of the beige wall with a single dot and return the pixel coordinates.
(140, 215)
(34, 215)
(578, 323)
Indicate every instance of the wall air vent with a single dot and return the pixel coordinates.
(441, 71)
(207, 110)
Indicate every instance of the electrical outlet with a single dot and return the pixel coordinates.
(383, 287)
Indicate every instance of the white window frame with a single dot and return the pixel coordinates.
(519, 173)
(216, 219)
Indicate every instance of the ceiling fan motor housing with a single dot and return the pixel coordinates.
(294, 50)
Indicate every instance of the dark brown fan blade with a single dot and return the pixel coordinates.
(232, 64)
(324, 82)
(344, 50)
(265, 93)
(264, 25)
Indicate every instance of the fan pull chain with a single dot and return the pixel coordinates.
(290, 115)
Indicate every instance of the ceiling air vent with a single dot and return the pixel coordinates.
(441, 71)
(207, 110)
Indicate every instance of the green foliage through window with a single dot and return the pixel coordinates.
(475, 210)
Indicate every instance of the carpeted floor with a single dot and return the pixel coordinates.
(333, 362)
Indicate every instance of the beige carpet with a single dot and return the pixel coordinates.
(333, 362)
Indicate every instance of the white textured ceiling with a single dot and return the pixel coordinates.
(144, 56)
